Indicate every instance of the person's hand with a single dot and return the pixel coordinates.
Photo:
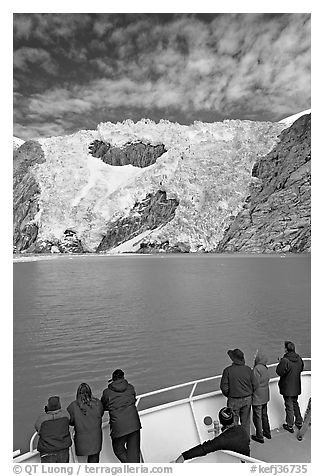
(180, 459)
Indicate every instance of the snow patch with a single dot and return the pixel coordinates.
(288, 121)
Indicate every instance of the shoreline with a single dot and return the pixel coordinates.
(22, 258)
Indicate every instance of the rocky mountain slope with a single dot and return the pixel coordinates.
(276, 216)
(143, 187)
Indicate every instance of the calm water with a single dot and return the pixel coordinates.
(163, 319)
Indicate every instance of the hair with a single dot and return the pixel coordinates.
(84, 397)
(289, 346)
(117, 374)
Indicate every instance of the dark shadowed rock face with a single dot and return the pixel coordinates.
(25, 194)
(153, 211)
(276, 216)
(137, 154)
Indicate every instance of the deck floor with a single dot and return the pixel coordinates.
(283, 448)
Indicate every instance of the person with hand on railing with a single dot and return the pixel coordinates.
(120, 399)
(232, 438)
(54, 435)
(86, 413)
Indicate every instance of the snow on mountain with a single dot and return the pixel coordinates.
(189, 195)
(288, 121)
(17, 142)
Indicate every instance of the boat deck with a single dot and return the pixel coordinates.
(283, 448)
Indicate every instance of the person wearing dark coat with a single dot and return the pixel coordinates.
(54, 435)
(86, 416)
(119, 400)
(232, 438)
(289, 369)
(238, 383)
(260, 399)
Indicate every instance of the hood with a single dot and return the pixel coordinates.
(119, 385)
(292, 356)
(260, 358)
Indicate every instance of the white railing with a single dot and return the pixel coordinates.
(194, 384)
(191, 398)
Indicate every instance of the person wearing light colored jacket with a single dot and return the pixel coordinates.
(260, 399)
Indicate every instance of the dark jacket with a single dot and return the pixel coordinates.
(238, 380)
(261, 373)
(87, 424)
(233, 438)
(53, 430)
(119, 399)
(289, 370)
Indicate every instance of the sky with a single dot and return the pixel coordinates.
(73, 71)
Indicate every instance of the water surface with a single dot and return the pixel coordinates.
(163, 319)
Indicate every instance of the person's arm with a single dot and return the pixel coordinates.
(71, 414)
(205, 448)
(255, 379)
(224, 383)
(282, 367)
(104, 401)
(38, 423)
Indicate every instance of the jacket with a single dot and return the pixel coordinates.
(119, 399)
(238, 380)
(87, 424)
(53, 430)
(234, 438)
(261, 395)
(289, 370)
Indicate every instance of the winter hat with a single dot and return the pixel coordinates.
(226, 416)
(236, 355)
(53, 404)
(117, 374)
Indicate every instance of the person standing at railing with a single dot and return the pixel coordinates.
(119, 400)
(238, 383)
(232, 438)
(54, 434)
(86, 413)
(289, 369)
(260, 398)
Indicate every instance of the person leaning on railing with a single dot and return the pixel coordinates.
(54, 435)
(232, 438)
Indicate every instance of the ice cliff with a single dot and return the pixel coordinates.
(146, 187)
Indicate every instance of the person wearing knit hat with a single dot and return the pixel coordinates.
(54, 435)
(232, 438)
(238, 383)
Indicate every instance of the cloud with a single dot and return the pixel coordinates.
(26, 56)
(234, 64)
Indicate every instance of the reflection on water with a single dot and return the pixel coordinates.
(163, 319)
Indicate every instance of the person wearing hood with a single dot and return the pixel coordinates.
(119, 400)
(289, 369)
(86, 413)
(260, 399)
(238, 383)
(54, 435)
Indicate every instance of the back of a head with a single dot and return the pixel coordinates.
(226, 416)
(289, 346)
(84, 395)
(117, 374)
